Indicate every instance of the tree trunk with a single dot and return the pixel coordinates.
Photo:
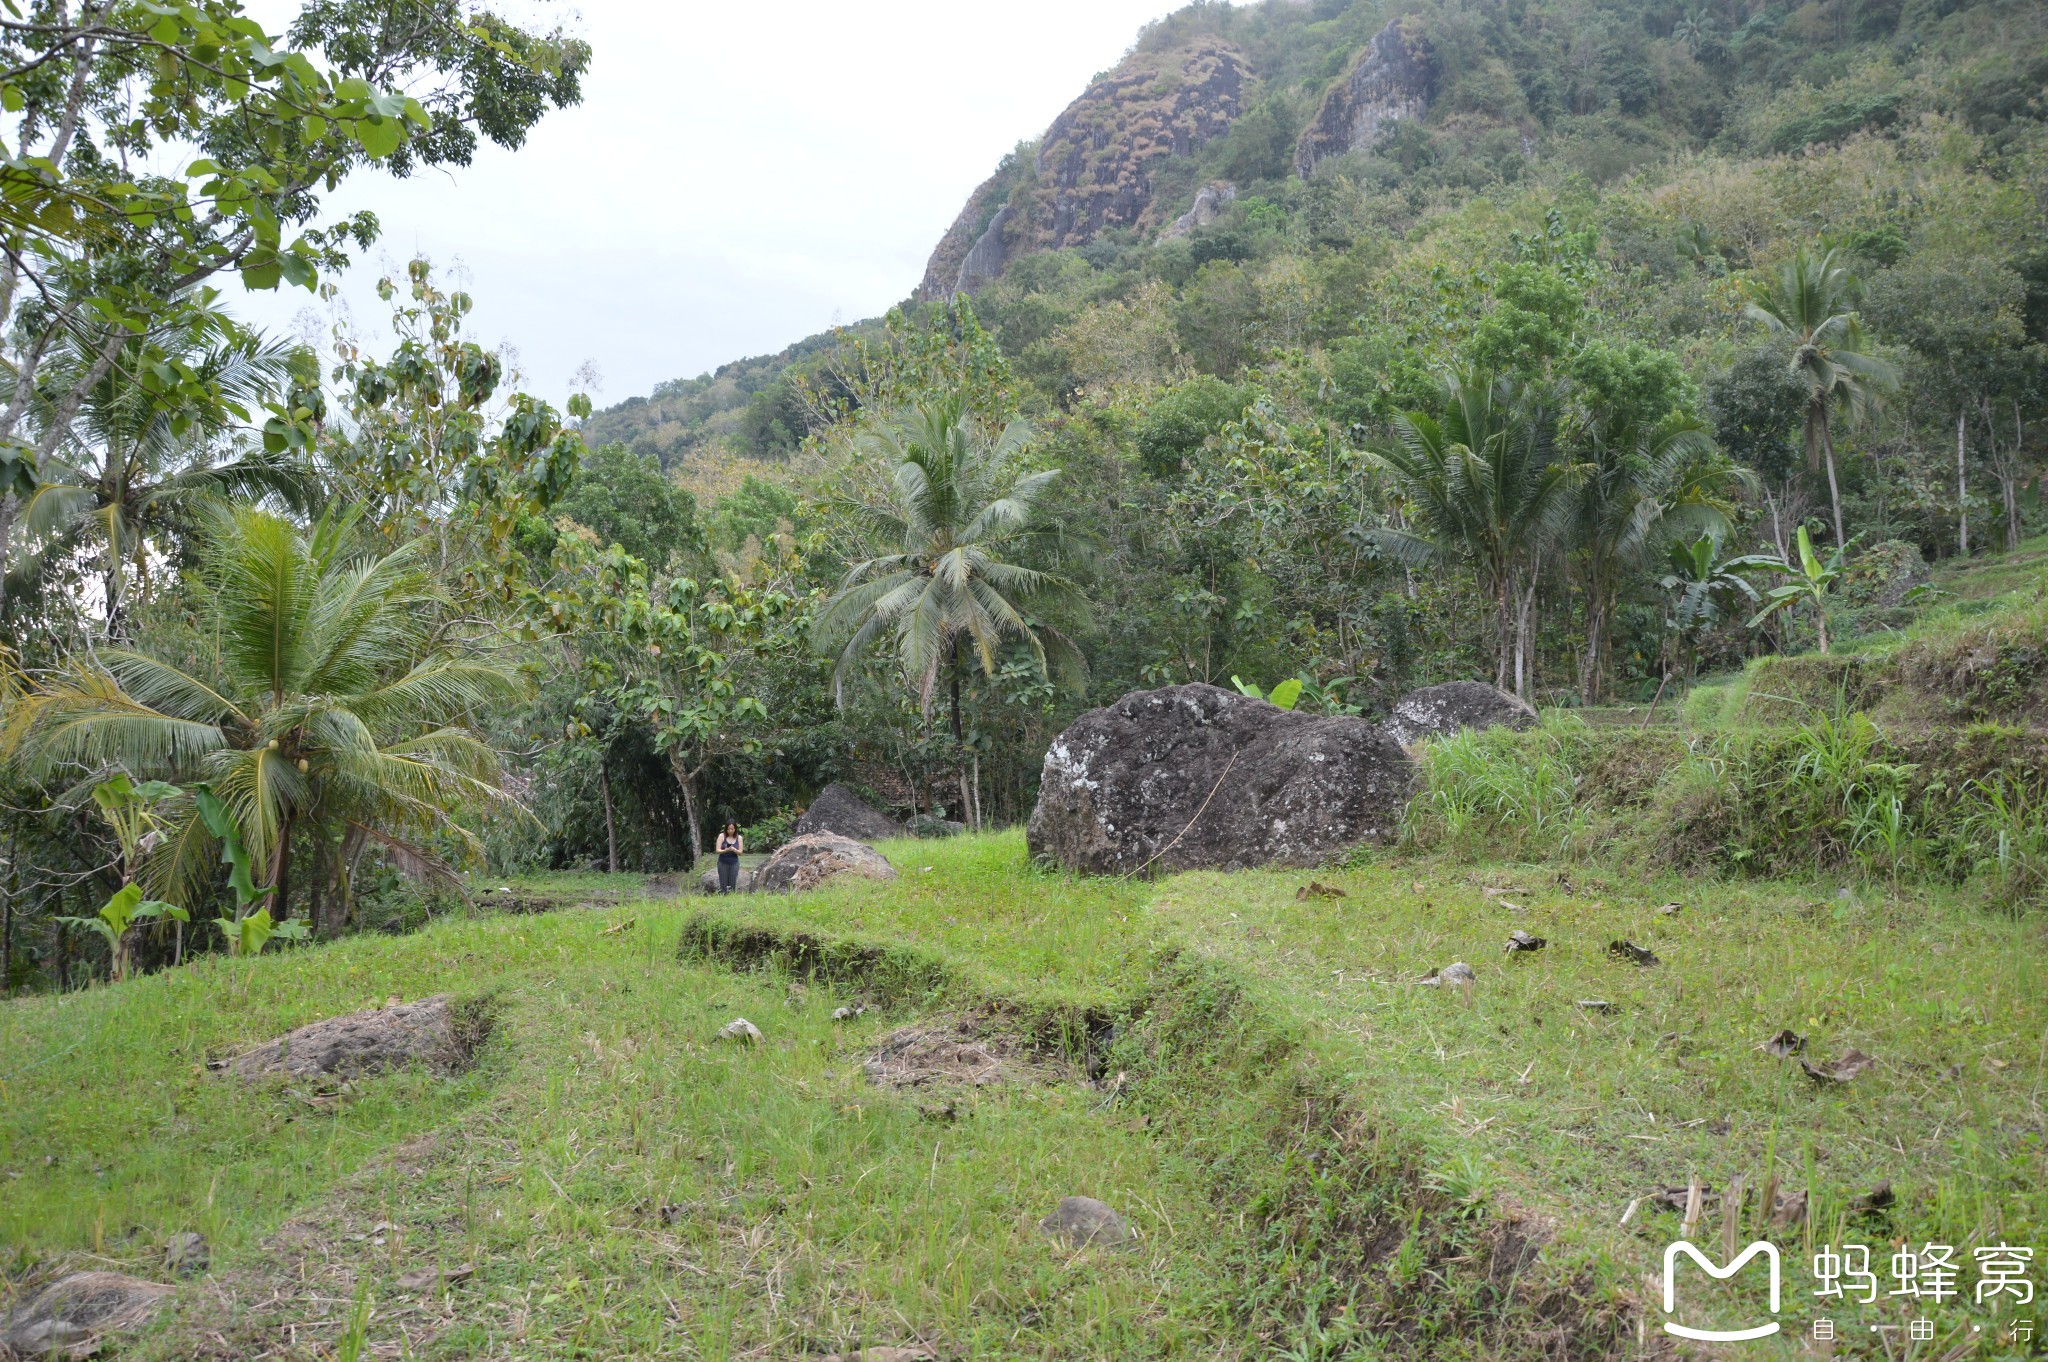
(1827, 445)
(959, 740)
(7, 898)
(1596, 613)
(1504, 631)
(611, 831)
(686, 779)
(281, 875)
(1523, 660)
(1962, 487)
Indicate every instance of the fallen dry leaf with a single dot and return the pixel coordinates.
(1841, 1071)
(1630, 951)
(1784, 1045)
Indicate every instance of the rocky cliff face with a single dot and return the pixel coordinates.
(1392, 79)
(1095, 167)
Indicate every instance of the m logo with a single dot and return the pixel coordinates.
(1769, 1251)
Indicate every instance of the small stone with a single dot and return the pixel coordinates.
(1671, 909)
(186, 1254)
(1600, 1005)
(1082, 1221)
(847, 1014)
(1457, 972)
(741, 1030)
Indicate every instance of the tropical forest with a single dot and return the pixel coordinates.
(1405, 697)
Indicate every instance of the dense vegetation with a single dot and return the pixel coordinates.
(1664, 339)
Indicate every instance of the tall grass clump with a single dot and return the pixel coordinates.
(1501, 792)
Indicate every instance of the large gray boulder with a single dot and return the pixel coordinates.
(838, 809)
(806, 862)
(1440, 711)
(1193, 777)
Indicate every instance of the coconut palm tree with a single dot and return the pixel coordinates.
(322, 699)
(960, 519)
(1485, 493)
(1643, 487)
(1805, 309)
(134, 463)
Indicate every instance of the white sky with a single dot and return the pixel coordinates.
(738, 176)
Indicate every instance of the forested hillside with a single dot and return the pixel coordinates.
(1223, 276)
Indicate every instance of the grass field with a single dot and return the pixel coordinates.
(1321, 1158)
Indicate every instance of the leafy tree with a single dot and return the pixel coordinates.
(1805, 309)
(624, 498)
(1180, 419)
(431, 451)
(1963, 319)
(960, 520)
(138, 463)
(1487, 495)
(327, 706)
(752, 512)
(102, 93)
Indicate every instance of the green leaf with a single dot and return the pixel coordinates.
(1286, 694)
(379, 137)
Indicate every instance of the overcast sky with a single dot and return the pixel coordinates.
(737, 177)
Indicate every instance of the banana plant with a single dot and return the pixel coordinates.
(129, 809)
(1812, 579)
(251, 927)
(1283, 696)
(126, 908)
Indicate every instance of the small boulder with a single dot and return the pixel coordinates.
(1082, 1220)
(1440, 711)
(1194, 777)
(186, 1254)
(839, 810)
(931, 825)
(740, 1030)
(373, 1042)
(68, 1317)
(809, 861)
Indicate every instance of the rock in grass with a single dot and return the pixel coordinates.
(69, 1317)
(930, 826)
(839, 810)
(741, 1030)
(1193, 777)
(882, 1354)
(187, 1254)
(1440, 711)
(429, 1032)
(1082, 1221)
(1457, 972)
(806, 862)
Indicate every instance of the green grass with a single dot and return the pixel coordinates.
(1302, 1134)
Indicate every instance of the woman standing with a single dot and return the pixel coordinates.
(730, 845)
